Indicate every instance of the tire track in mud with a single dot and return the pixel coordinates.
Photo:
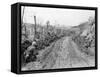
(50, 60)
(75, 56)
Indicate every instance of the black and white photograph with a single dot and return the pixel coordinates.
(57, 38)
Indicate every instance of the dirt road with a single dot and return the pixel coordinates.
(64, 53)
(70, 56)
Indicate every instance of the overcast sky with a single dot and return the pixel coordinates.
(67, 17)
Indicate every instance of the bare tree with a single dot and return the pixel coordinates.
(22, 22)
(34, 28)
(22, 16)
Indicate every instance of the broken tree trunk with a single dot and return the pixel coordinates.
(34, 28)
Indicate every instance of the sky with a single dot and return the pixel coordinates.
(65, 17)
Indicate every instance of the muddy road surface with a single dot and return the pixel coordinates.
(63, 53)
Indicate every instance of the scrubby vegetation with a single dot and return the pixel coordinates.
(86, 39)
